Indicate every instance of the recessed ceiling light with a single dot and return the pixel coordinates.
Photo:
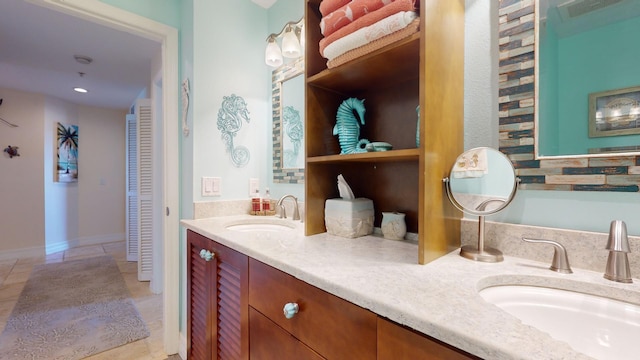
(82, 59)
(80, 89)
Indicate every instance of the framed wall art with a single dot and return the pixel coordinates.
(614, 112)
(67, 153)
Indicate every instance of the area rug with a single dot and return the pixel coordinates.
(71, 310)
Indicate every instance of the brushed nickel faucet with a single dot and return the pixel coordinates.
(560, 261)
(618, 245)
(283, 212)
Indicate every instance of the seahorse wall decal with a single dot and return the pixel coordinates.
(347, 128)
(294, 129)
(230, 116)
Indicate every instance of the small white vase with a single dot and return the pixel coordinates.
(393, 225)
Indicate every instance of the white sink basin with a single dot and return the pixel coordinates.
(260, 225)
(597, 326)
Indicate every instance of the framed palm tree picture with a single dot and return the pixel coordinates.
(67, 154)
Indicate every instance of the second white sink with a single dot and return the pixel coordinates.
(597, 326)
(261, 225)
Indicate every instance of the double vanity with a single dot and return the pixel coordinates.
(380, 286)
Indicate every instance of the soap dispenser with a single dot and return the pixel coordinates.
(266, 200)
(256, 202)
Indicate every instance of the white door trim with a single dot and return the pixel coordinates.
(107, 15)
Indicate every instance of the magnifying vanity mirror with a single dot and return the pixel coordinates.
(481, 182)
(288, 122)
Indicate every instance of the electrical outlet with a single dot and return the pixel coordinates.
(211, 186)
(254, 184)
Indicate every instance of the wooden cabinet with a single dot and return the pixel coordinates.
(425, 69)
(217, 306)
(396, 342)
(235, 311)
(329, 325)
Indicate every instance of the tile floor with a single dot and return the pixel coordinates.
(15, 272)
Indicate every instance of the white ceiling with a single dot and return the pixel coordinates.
(37, 46)
(264, 3)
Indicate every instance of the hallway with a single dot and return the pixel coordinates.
(15, 272)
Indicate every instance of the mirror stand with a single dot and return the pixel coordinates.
(480, 252)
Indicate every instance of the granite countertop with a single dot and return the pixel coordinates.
(439, 299)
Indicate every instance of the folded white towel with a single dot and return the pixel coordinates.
(386, 26)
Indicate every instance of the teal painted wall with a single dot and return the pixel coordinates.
(584, 63)
(164, 11)
(228, 59)
(548, 141)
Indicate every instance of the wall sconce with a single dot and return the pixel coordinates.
(292, 43)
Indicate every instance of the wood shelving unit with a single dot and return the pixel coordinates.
(424, 69)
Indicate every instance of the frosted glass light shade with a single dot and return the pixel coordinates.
(302, 38)
(290, 45)
(272, 54)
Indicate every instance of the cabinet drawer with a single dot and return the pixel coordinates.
(269, 341)
(397, 342)
(326, 323)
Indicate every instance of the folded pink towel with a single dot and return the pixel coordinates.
(329, 6)
(375, 45)
(349, 13)
(367, 34)
(368, 19)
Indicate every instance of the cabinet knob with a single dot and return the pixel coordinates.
(206, 255)
(290, 310)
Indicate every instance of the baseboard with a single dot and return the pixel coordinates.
(83, 241)
(22, 253)
(183, 346)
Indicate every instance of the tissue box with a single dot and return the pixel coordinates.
(349, 218)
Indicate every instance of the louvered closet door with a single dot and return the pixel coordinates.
(145, 188)
(132, 189)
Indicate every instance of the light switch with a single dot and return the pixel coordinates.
(254, 184)
(211, 186)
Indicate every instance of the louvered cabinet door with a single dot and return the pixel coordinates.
(201, 298)
(231, 323)
(218, 301)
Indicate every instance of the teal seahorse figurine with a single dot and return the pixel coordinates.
(350, 112)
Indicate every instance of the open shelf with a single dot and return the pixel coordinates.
(377, 156)
(394, 63)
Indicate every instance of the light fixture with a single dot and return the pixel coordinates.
(80, 89)
(292, 44)
(272, 54)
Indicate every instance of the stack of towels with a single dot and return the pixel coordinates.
(352, 28)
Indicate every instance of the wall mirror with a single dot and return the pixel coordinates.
(545, 92)
(287, 100)
(481, 182)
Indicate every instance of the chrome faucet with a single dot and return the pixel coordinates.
(618, 245)
(560, 261)
(283, 212)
